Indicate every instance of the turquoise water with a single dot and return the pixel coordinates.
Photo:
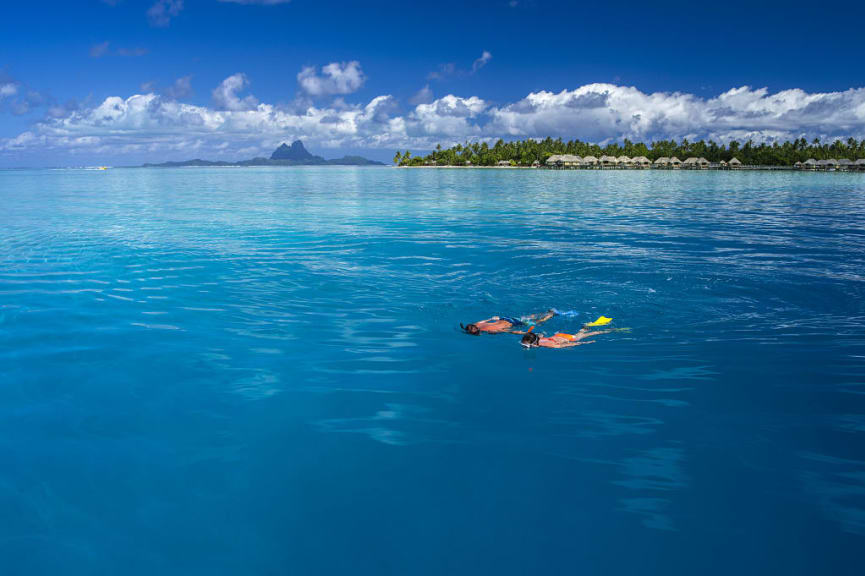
(259, 371)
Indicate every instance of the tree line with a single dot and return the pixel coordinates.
(525, 152)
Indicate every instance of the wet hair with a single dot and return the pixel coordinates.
(530, 339)
(472, 329)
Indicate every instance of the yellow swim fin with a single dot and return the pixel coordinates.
(601, 321)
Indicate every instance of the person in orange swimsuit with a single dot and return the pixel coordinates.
(559, 339)
(509, 324)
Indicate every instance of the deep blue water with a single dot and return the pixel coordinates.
(259, 371)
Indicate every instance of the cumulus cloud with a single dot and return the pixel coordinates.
(160, 126)
(161, 12)
(606, 111)
(335, 78)
(226, 96)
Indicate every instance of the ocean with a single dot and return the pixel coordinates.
(261, 371)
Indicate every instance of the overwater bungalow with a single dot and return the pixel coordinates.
(734, 163)
(691, 163)
(830, 164)
(845, 164)
(703, 163)
(571, 161)
(641, 162)
(859, 164)
(607, 161)
(809, 164)
(662, 162)
(797, 166)
(723, 165)
(624, 161)
(554, 161)
(590, 162)
(675, 162)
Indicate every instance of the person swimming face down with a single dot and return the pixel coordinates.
(506, 324)
(530, 340)
(471, 329)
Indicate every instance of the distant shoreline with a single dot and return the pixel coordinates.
(742, 168)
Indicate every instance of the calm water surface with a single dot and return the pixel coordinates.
(259, 371)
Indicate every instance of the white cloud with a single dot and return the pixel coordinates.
(482, 61)
(226, 97)
(239, 126)
(335, 78)
(161, 12)
(8, 89)
(599, 112)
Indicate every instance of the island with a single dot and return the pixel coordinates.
(284, 155)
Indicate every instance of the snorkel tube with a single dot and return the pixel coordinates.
(530, 339)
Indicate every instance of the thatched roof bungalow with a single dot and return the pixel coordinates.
(607, 161)
(809, 164)
(590, 161)
(641, 161)
(859, 164)
(554, 160)
(703, 163)
(662, 162)
(675, 162)
(570, 160)
(734, 163)
(691, 163)
(624, 161)
(503, 163)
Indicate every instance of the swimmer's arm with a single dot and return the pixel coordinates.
(543, 317)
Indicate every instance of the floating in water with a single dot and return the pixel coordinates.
(499, 324)
(559, 339)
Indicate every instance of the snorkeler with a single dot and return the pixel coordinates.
(509, 324)
(559, 339)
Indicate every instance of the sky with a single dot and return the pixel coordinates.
(121, 82)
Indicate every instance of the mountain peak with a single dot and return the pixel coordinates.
(294, 152)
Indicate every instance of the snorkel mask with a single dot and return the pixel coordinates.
(471, 329)
(530, 340)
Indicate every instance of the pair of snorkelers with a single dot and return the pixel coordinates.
(525, 325)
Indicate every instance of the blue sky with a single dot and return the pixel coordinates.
(124, 81)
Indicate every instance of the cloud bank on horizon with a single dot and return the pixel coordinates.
(238, 124)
